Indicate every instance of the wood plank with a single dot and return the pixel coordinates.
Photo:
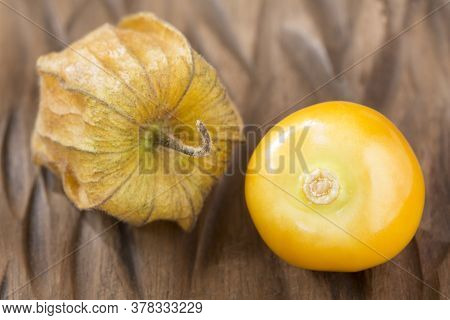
(270, 54)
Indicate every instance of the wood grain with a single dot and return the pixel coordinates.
(269, 55)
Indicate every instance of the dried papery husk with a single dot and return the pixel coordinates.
(118, 88)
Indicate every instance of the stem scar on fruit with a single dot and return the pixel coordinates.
(320, 186)
(358, 207)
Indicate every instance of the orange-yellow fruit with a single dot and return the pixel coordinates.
(348, 197)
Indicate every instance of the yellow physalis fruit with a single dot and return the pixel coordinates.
(135, 122)
(335, 187)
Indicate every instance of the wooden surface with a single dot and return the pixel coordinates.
(269, 55)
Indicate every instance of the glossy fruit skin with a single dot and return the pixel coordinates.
(381, 196)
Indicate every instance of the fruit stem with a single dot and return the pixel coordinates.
(204, 150)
